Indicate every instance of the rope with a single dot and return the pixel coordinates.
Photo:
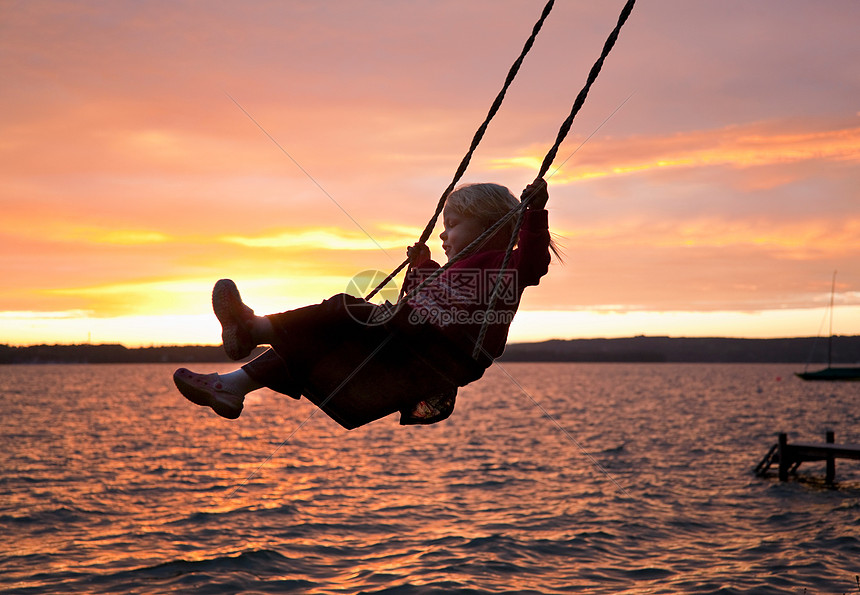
(491, 305)
(476, 139)
(544, 168)
(580, 99)
(547, 163)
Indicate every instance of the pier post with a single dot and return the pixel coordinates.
(784, 463)
(830, 475)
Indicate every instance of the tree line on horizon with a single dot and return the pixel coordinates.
(845, 350)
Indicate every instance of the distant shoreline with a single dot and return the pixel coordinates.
(801, 350)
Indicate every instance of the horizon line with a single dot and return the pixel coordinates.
(673, 337)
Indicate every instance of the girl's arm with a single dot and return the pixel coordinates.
(533, 244)
(537, 192)
(418, 254)
(422, 265)
(532, 257)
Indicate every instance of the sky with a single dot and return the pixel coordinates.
(709, 186)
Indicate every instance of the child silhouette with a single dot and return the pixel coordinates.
(410, 359)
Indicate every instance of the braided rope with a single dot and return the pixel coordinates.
(494, 297)
(525, 199)
(580, 98)
(547, 162)
(476, 139)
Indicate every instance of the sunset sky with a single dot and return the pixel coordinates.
(148, 149)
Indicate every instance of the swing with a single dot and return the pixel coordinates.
(350, 383)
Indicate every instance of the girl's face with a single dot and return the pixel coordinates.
(459, 232)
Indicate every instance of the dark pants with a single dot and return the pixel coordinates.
(340, 355)
(308, 333)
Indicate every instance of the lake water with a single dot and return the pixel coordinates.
(548, 478)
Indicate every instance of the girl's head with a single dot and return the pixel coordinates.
(470, 210)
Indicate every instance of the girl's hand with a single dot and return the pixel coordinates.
(538, 192)
(418, 253)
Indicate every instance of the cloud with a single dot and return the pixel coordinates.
(129, 180)
(741, 146)
(327, 239)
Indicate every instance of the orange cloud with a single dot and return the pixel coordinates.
(129, 180)
(806, 240)
(737, 146)
(328, 239)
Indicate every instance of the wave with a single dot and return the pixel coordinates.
(261, 569)
(207, 517)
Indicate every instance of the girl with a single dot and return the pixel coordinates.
(415, 358)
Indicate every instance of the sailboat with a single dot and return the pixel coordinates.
(831, 372)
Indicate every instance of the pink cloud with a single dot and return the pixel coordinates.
(727, 181)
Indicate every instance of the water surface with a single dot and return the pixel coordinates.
(548, 478)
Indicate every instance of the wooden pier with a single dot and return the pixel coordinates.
(790, 456)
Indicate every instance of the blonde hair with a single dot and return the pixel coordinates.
(487, 203)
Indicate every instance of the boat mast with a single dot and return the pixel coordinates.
(830, 340)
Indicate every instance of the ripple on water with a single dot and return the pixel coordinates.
(135, 491)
